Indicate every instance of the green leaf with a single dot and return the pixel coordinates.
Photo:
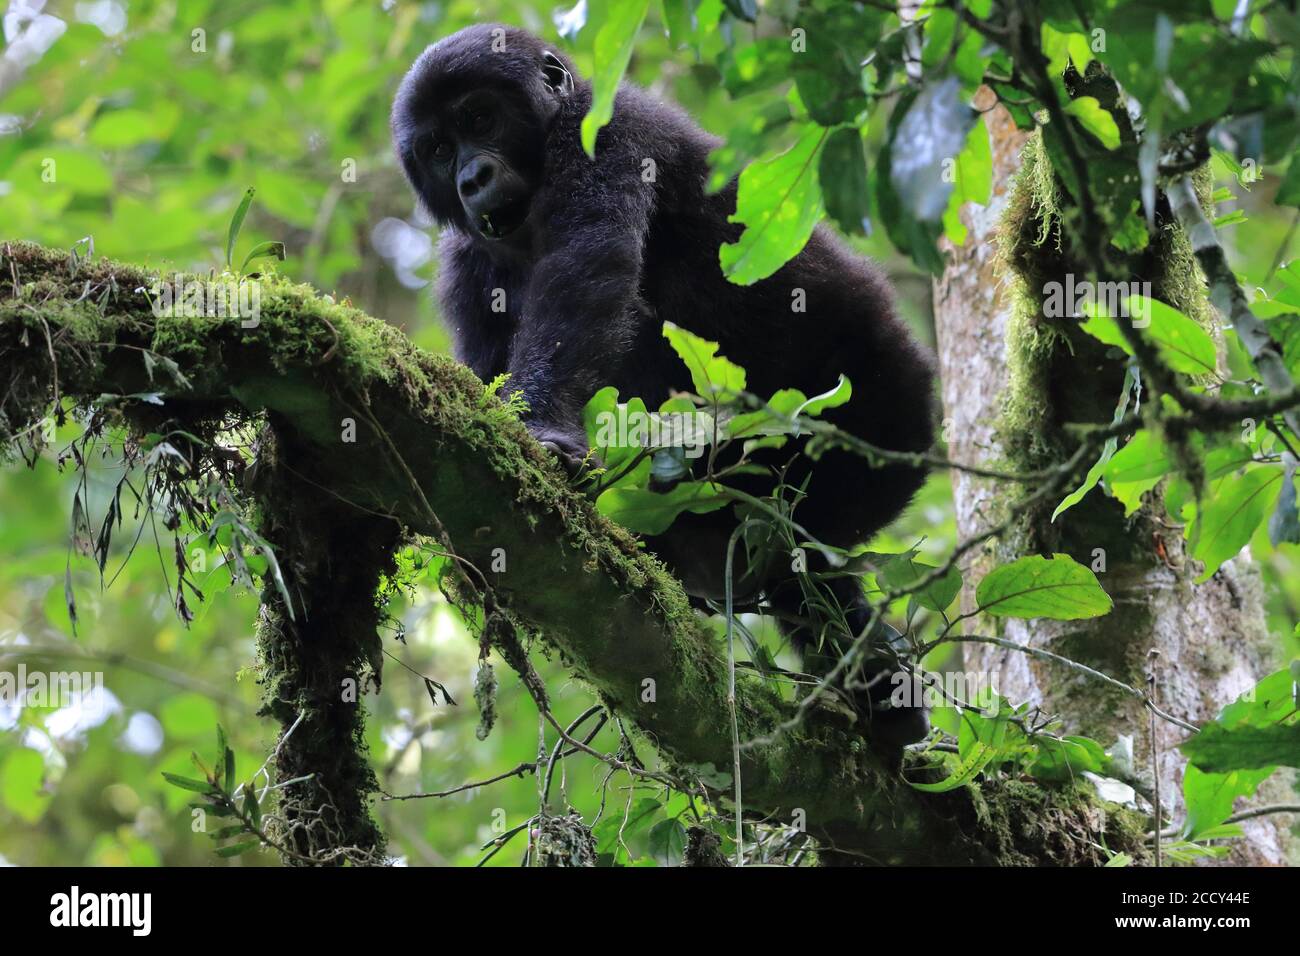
(779, 202)
(1288, 192)
(973, 181)
(1145, 456)
(643, 813)
(1099, 467)
(122, 129)
(1217, 749)
(1229, 515)
(237, 223)
(1058, 588)
(1137, 468)
(784, 405)
(904, 571)
(1184, 345)
(228, 766)
(1064, 759)
(1260, 729)
(1104, 329)
(189, 783)
(837, 396)
(667, 840)
(602, 417)
(1063, 48)
(1096, 120)
(1211, 795)
(252, 809)
(711, 374)
(263, 250)
(842, 173)
(651, 512)
(979, 752)
(611, 53)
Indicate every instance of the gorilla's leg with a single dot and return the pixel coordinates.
(873, 681)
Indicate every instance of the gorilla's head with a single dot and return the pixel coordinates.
(469, 125)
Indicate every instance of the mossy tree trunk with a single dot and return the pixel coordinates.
(1012, 379)
(368, 441)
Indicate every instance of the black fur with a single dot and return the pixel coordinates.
(605, 258)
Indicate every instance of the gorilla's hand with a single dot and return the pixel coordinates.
(568, 447)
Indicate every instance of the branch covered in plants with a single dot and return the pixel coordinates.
(372, 433)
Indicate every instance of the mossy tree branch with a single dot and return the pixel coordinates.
(435, 454)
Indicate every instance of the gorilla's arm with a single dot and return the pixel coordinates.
(581, 312)
(469, 286)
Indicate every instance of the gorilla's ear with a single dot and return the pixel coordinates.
(557, 76)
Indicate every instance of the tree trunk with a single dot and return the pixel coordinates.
(1206, 643)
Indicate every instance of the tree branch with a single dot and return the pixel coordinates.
(450, 460)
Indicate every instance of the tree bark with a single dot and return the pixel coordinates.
(1207, 643)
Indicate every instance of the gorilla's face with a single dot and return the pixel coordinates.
(484, 150)
(472, 140)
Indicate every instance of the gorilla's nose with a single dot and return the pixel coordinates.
(476, 176)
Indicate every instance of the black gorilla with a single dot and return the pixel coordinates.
(561, 271)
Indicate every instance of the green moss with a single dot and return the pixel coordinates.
(1029, 232)
(1036, 824)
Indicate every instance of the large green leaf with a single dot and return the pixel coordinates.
(779, 202)
(1096, 120)
(1182, 344)
(1231, 512)
(651, 512)
(1218, 749)
(1217, 775)
(1260, 729)
(1058, 588)
(613, 49)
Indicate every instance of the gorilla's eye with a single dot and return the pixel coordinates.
(441, 150)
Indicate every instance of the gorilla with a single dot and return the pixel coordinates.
(561, 270)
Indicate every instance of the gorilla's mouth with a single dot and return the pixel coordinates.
(503, 220)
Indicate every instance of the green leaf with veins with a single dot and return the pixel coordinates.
(1058, 588)
(611, 53)
(779, 202)
(651, 512)
(1229, 514)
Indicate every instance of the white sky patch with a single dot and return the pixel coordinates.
(87, 710)
(143, 734)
